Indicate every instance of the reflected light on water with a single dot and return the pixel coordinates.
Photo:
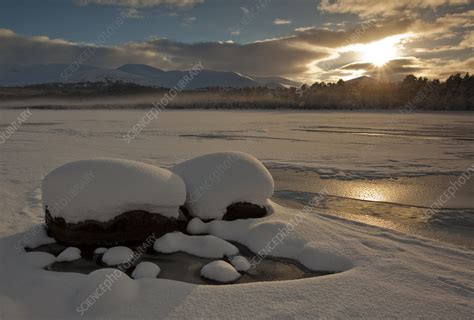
(369, 194)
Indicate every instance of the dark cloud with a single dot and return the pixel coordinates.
(139, 3)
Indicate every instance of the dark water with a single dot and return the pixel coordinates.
(402, 204)
(184, 267)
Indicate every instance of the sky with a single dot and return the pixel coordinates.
(304, 40)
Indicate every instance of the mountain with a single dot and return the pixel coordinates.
(361, 81)
(51, 73)
(132, 73)
(277, 82)
(205, 78)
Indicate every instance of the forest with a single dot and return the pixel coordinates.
(364, 93)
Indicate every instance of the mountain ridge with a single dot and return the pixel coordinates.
(140, 74)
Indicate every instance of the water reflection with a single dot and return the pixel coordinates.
(369, 194)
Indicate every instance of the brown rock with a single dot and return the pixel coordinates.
(129, 228)
(244, 210)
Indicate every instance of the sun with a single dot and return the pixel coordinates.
(380, 52)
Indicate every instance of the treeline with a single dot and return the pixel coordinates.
(412, 93)
(456, 93)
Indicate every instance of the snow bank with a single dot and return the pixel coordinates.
(117, 255)
(392, 271)
(240, 263)
(146, 270)
(277, 238)
(215, 181)
(104, 188)
(220, 271)
(69, 254)
(201, 246)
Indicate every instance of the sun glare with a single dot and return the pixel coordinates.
(380, 52)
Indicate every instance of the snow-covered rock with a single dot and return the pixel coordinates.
(146, 270)
(240, 263)
(196, 226)
(117, 255)
(69, 254)
(102, 189)
(217, 180)
(201, 246)
(220, 271)
(100, 250)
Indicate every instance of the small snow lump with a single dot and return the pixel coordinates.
(146, 270)
(220, 271)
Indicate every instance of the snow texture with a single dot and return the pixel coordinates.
(69, 254)
(202, 246)
(117, 255)
(240, 263)
(220, 271)
(146, 270)
(217, 180)
(105, 188)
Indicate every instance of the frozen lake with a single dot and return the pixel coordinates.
(384, 169)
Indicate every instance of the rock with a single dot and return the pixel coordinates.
(129, 228)
(244, 210)
(226, 185)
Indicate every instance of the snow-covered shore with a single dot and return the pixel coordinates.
(384, 274)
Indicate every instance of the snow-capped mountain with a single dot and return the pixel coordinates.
(131, 73)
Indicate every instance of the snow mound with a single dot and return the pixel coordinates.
(276, 238)
(220, 271)
(196, 226)
(69, 254)
(146, 270)
(240, 263)
(100, 250)
(201, 246)
(117, 255)
(105, 188)
(215, 181)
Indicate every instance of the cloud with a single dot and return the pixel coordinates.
(366, 8)
(245, 10)
(139, 3)
(281, 21)
(131, 13)
(186, 22)
(307, 53)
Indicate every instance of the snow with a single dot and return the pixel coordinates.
(146, 270)
(130, 73)
(390, 270)
(34, 237)
(217, 180)
(390, 275)
(104, 188)
(220, 271)
(69, 254)
(202, 246)
(117, 255)
(196, 226)
(240, 263)
(100, 250)
(266, 236)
